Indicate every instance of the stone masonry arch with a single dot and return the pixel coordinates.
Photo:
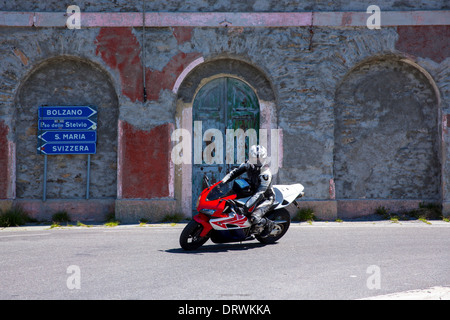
(186, 91)
(387, 144)
(66, 80)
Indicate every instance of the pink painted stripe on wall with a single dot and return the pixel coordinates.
(388, 18)
(427, 18)
(235, 19)
(111, 19)
(16, 19)
(222, 19)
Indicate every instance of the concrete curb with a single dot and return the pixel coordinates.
(294, 224)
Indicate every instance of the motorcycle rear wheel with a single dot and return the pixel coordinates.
(190, 236)
(281, 227)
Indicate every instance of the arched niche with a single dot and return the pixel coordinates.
(60, 81)
(387, 131)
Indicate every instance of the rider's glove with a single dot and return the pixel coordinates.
(244, 210)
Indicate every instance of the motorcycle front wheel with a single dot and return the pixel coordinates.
(282, 220)
(190, 236)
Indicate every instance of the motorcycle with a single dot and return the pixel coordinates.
(220, 218)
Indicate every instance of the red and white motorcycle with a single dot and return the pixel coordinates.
(219, 217)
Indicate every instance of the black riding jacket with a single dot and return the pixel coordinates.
(260, 179)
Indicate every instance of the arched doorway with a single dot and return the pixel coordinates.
(188, 88)
(226, 122)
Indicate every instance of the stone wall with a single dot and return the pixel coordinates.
(386, 134)
(363, 112)
(66, 81)
(220, 5)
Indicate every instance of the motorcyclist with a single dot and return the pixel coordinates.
(260, 179)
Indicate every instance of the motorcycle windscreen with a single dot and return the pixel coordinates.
(220, 191)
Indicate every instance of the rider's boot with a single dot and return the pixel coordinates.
(268, 227)
(258, 220)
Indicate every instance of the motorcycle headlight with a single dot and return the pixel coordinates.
(209, 212)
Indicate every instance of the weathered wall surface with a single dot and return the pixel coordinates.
(386, 133)
(4, 160)
(145, 159)
(66, 81)
(220, 5)
(358, 121)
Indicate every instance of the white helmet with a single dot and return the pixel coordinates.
(258, 154)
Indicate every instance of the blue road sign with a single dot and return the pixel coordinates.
(67, 112)
(67, 130)
(67, 148)
(68, 136)
(66, 124)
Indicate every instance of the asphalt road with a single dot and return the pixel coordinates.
(350, 260)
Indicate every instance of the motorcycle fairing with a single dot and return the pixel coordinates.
(233, 221)
(229, 236)
(284, 195)
(220, 221)
(204, 221)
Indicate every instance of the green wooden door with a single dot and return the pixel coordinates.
(225, 105)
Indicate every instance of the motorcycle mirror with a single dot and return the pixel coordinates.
(206, 179)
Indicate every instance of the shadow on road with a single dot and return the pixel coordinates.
(225, 247)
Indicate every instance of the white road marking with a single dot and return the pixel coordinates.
(24, 235)
(433, 293)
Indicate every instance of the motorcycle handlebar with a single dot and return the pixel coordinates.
(235, 207)
(231, 203)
